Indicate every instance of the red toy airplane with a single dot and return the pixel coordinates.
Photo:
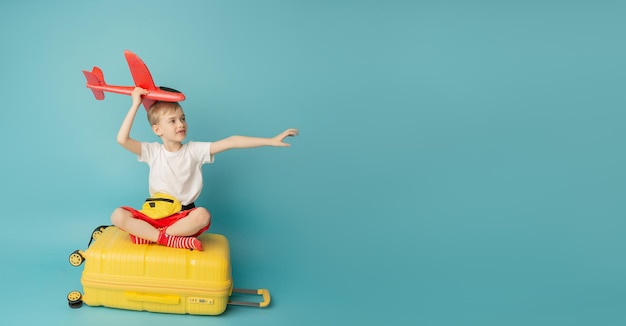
(141, 77)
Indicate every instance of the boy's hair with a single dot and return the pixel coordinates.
(158, 108)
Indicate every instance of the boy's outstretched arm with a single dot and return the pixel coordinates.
(123, 135)
(250, 142)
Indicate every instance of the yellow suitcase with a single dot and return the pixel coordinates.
(120, 274)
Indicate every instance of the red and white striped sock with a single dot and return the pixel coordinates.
(137, 240)
(174, 241)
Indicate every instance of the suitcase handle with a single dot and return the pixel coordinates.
(152, 297)
(265, 293)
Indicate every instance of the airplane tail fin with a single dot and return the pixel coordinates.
(95, 77)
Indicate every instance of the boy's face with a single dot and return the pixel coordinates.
(171, 126)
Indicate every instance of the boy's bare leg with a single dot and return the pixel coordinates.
(191, 224)
(142, 232)
(124, 220)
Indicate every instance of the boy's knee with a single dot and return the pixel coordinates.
(201, 216)
(119, 216)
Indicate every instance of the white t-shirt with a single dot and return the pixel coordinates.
(176, 173)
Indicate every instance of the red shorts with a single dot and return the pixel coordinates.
(164, 222)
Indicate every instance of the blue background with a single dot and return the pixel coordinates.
(459, 162)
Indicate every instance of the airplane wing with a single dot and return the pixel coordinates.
(140, 72)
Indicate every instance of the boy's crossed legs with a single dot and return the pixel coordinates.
(181, 233)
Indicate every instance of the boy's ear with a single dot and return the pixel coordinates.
(156, 130)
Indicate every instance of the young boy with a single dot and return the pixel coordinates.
(175, 169)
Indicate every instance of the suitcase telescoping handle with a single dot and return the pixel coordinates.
(265, 293)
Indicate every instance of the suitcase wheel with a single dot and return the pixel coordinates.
(75, 299)
(98, 232)
(76, 258)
